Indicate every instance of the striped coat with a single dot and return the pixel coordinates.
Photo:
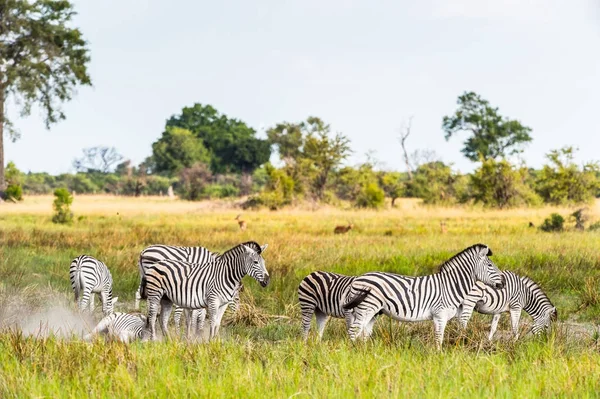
(89, 276)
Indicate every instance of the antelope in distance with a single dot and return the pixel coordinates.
(443, 227)
(242, 223)
(343, 229)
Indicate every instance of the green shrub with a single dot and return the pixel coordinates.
(554, 223)
(594, 226)
(221, 191)
(371, 196)
(62, 206)
(14, 192)
(193, 180)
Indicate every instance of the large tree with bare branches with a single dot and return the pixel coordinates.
(42, 59)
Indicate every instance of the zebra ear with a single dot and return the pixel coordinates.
(248, 249)
(485, 251)
(262, 249)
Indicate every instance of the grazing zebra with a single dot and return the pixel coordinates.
(324, 294)
(89, 276)
(435, 297)
(155, 253)
(519, 293)
(124, 327)
(211, 286)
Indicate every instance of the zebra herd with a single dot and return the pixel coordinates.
(199, 282)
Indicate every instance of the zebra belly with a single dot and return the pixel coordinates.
(423, 315)
(487, 309)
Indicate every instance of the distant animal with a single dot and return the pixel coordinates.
(388, 233)
(323, 294)
(443, 228)
(124, 327)
(211, 286)
(343, 229)
(89, 276)
(519, 293)
(434, 297)
(531, 224)
(242, 223)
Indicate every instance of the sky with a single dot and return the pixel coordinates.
(364, 67)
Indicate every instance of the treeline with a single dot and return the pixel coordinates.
(204, 154)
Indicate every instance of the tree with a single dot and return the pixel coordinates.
(492, 135)
(178, 149)
(435, 183)
(564, 182)
(193, 180)
(42, 60)
(288, 138)
(233, 145)
(97, 159)
(404, 133)
(391, 183)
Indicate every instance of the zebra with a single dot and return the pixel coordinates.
(89, 276)
(196, 317)
(158, 252)
(193, 255)
(124, 327)
(323, 294)
(434, 297)
(211, 286)
(519, 293)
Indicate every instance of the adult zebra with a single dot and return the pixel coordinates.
(89, 276)
(158, 252)
(323, 294)
(211, 286)
(124, 327)
(435, 297)
(519, 293)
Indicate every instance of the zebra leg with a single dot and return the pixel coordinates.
(307, 314)
(84, 299)
(138, 297)
(165, 311)
(177, 312)
(92, 298)
(515, 316)
(188, 323)
(494, 327)
(152, 312)
(220, 313)
(321, 322)
(200, 321)
(361, 319)
(439, 322)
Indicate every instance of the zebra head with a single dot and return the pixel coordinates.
(255, 264)
(544, 320)
(485, 270)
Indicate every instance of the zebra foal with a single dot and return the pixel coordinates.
(89, 276)
(323, 295)
(434, 297)
(124, 327)
(519, 293)
(211, 285)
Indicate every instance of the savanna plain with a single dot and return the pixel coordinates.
(260, 352)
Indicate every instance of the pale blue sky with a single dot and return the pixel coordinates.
(363, 66)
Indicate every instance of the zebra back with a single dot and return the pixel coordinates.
(88, 275)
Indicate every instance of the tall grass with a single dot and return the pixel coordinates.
(261, 353)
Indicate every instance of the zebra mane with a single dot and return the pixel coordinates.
(238, 248)
(450, 264)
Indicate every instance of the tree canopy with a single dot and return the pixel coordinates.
(42, 60)
(492, 135)
(233, 145)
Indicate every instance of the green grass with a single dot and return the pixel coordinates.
(260, 353)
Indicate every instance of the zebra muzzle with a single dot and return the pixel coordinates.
(265, 281)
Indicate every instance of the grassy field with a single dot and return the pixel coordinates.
(260, 353)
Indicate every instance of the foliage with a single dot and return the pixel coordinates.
(62, 206)
(392, 185)
(43, 59)
(554, 223)
(563, 182)
(177, 149)
(221, 191)
(97, 159)
(192, 181)
(499, 184)
(594, 226)
(371, 196)
(233, 145)
(434, 182)
(278, 192)
(492, 135)
(14, 178)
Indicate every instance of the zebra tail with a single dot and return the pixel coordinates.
(357, 300)
(78, 280)
(143, 294)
